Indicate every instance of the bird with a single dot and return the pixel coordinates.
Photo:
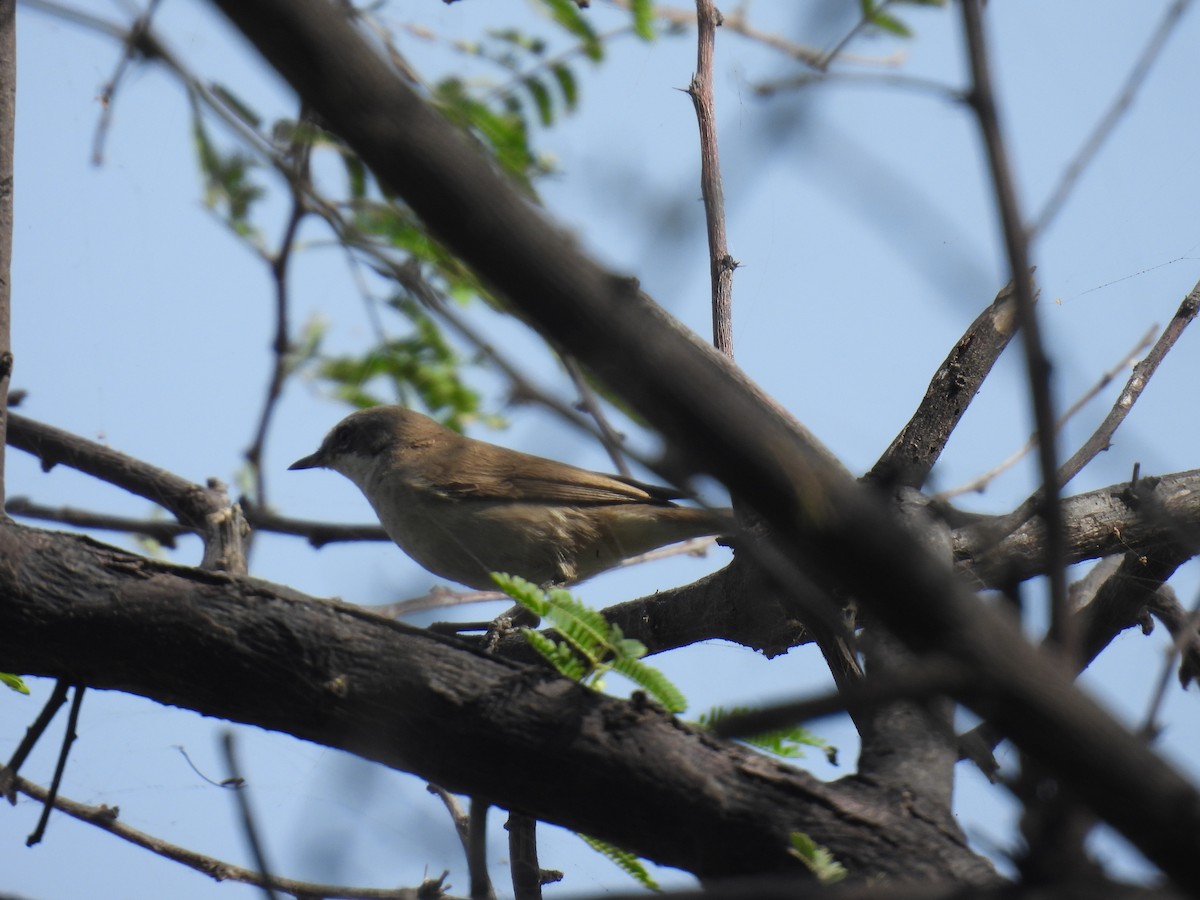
(464, 508)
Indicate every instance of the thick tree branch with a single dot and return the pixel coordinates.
(1111, 520)
(474, 724)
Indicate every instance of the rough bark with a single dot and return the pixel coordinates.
(518, 736)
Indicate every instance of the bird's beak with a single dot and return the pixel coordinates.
(312, 461)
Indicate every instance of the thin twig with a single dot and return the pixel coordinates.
(162, 531)
(977, 485)
(36, 729)
(612, 440)
(1037, 365)
(8, 121)
(299, 152)
(1183, 628)
(105, 818)
(134, 44)
(831, 54)
(481, 883)
(1101, 438)
(866, 79)
(720, 263)
(928, 678)
(246, 814)
(1109, 121)
(1150, 728)
(59, 767)
(737, 23)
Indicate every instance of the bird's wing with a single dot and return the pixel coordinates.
(532, 479)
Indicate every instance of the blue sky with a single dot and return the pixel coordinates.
(864, 222)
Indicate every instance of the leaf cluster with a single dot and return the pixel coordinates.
(788, 743)
(589, 646)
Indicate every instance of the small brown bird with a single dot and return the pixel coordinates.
(463, 508)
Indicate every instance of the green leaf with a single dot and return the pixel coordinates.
(567, 85)
(643, 19)
(15, 682)
(227, 186)
(889, 23)
(652, 681)
(541, 99)
(503, 133)
(236, 105)
(590, 646)
(784, 742)
(528, 594)
(559, 655)
(627, 861)
(819, 860)
(567, 14)
(421, 367)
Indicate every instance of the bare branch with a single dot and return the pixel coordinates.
(8, 108)
(1111, 520)
(208, 510)
(1109, 121)
(720, 263)
(105, 818)
(298, 157)
(916, 449)
(1037, 365)
(1092, 447)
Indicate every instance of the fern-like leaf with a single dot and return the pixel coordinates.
(652, 681)
(818, 859)
(628, 862)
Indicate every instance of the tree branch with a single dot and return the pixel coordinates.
(919, 445)
(514, 735)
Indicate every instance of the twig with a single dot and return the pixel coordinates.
(1185, 630)
(299, 152)
(8, 111)
(1138, 380)
(462, 825)
(829, 55)
(737, 23)
(481, 883)
(134, 43)
(867, 79)
(1179, 642)
(1109, 121)
(931, 677)
(164, 532)
(612, 440)
(979, 484)
(1037, 365)
(207, 509)
(523, 856)
(918, 446)
(8, 774)
(721, 264)
(105, 818)
(59, 767)
(246, 815)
